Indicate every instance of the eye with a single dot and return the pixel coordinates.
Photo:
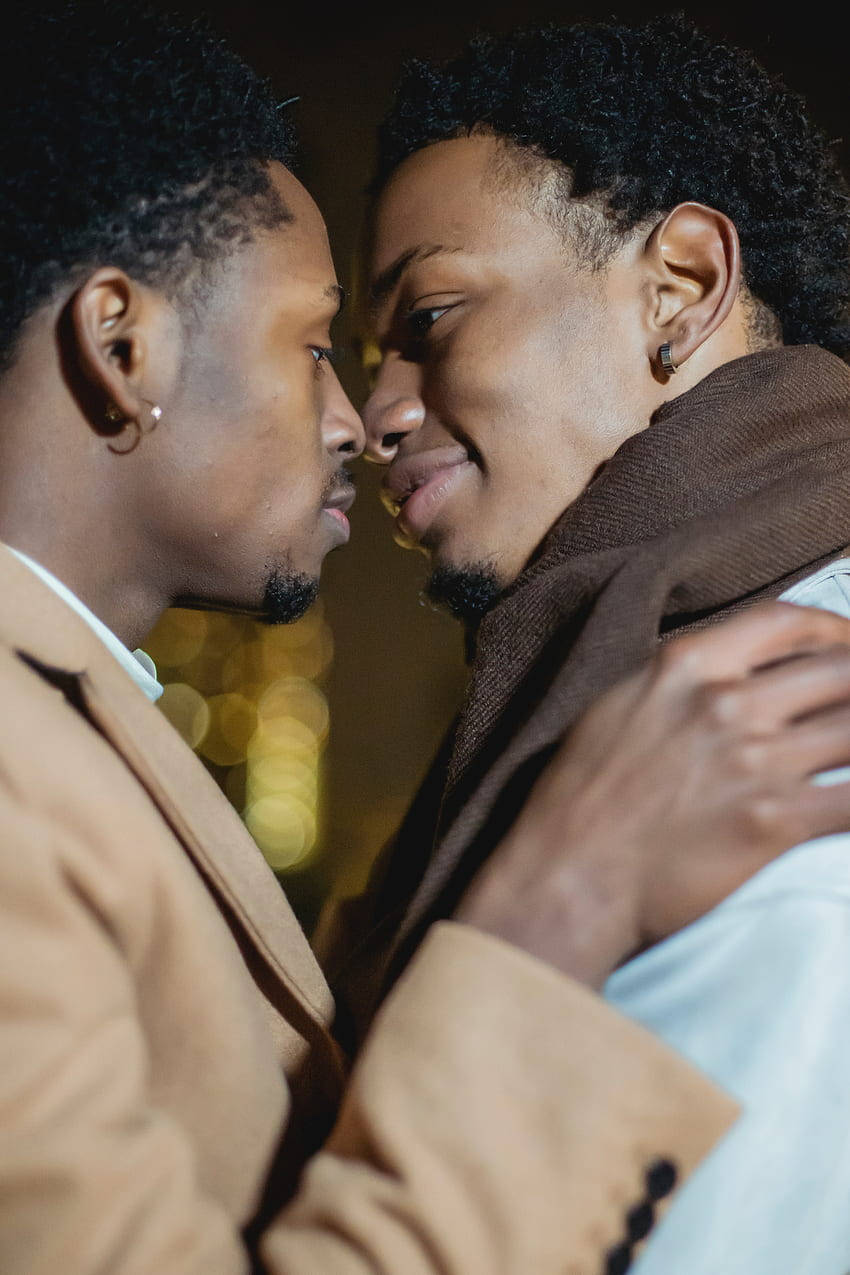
(321, 354)
(420, 322)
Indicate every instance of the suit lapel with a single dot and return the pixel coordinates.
(45, 632)
(209, 828)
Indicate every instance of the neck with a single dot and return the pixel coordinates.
(58, 507)
(119, 600)
(731, 341)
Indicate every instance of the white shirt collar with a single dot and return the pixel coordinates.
(138, 664)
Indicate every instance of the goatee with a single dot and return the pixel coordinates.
(288, 596)
(467, 592)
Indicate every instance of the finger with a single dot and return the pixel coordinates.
(798, 688)
(821, 743)
(821, 811)
(767, 633)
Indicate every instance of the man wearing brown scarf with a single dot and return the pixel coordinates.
(610, 286)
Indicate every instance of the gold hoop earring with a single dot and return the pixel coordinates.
(114, 416)
(665, 358)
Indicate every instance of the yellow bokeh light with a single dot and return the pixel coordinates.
(187, 711)
(233, 720)
(300, 633)
(254, 662)
(282, 773)
(178, 637)
(295, 697)
(284, 829)
(247, 700)
(313, 658)
(284, 735)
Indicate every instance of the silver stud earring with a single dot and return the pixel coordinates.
(665, 358)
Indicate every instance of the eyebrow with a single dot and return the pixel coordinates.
(387, 280)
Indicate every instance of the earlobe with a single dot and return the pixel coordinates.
(696, 265)
(108, 345)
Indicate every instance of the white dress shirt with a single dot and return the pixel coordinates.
(138, 664)
(757, 994)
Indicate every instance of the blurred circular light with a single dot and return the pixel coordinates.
(187, 711)
(284, 735)
(281, 774)
(295, 697)
(177, 637)
(252, 662)
(279, 637)
(284, 829)
(233, 720)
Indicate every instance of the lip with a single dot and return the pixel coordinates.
(336, 506)
(416, 486)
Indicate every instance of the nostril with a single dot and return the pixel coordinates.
(391, 440)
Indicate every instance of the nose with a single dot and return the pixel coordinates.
(342, 428)
(392, 411)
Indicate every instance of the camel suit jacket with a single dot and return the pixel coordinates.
(171, 1099)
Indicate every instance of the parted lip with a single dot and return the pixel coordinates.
(407, 473)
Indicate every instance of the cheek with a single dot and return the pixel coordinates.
(252, 458)
(509, 393)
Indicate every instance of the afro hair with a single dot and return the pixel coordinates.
(129, 139)
(646, 117)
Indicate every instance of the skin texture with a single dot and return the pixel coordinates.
(535, 368)
(231, 483)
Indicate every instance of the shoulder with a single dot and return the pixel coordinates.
(737, 990)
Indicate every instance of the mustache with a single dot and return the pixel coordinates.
(342, 480)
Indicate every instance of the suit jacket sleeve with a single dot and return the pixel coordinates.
(500, 1120)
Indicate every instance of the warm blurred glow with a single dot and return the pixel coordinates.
(284, 735)
(281, 773)
(283, 827)
(245, 696)
(187, 711)
(177, 638)
(233, 720)
(298, 698)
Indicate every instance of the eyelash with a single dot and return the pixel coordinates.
(327, 354)
(416, 320)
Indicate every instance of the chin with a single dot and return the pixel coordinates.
(467, 589)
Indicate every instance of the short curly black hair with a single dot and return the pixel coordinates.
(648, 116)
(128, 138)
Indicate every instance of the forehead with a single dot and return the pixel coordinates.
(466, 193)
(293, 261)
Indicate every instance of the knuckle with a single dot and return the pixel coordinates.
(751, 757)
(721, 703)
(763, 816)
(678, 660)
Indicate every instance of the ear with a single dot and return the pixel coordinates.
(107, 328)
(695, 261)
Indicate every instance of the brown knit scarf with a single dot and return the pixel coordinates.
(736, 488)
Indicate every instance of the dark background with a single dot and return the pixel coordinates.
(398, 671)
